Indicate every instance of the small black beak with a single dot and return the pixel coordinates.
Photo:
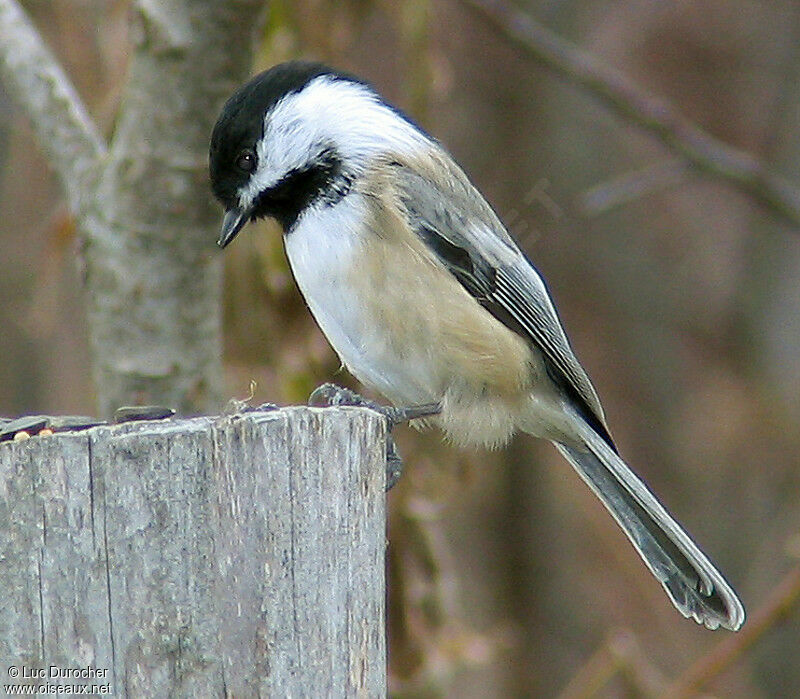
(234, 221)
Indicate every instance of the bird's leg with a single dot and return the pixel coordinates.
(331, 394)
(394, 463)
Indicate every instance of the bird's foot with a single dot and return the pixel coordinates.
(331, 394)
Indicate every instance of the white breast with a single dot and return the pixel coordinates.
(324, 251)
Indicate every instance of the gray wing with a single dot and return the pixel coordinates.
(468, 238)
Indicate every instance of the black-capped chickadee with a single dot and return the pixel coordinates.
(424, 295)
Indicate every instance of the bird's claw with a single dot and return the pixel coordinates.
(331, 394)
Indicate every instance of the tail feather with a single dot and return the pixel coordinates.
(694, 585)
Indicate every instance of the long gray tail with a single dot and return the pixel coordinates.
(692, 582)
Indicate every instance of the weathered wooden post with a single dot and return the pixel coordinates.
(234, 556)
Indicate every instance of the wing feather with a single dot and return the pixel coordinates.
(468, 238)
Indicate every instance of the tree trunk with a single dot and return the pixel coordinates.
(145, 215)
(152, 271)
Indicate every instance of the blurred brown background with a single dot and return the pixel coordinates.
(679, 292)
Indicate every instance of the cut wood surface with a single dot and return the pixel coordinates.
(234, 556)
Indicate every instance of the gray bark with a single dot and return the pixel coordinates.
(236, 556)
(152, 269)
(63, 128)
(142, 203)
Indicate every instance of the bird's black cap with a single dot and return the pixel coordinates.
(241, 122)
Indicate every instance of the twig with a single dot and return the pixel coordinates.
(620, 654)
(595, 674)
(654, 114)
(617, 191)
(780, 603)
(64, 130)
(643, 675)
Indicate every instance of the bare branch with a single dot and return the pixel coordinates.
(654, 114)
(64, 130)
(620, 654)
(629, 186)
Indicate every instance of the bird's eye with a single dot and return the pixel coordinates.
(246, 161)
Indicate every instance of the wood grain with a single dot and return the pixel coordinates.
(234, 556)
